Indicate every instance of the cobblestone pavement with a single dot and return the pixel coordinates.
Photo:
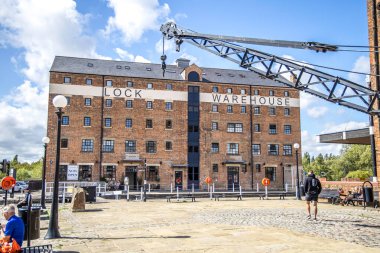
(351, 225)
(250, 225)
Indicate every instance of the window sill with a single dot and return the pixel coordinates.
(87, 126)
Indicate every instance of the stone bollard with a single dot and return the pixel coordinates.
(78, 202)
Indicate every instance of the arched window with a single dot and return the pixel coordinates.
(193, 76)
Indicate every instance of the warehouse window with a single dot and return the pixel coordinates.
(108, 146)
(65, 120)
(87, 145)
(64, 143)
(168, 106)
(287, 149)
(193, 76)
(273, 149)
(109, 83)
(214, 147)
(272, 111)
(85, 172)
(287, 111)
(107, 122)
(256, 149)
(149, 123)
(232, 148)
(67, 79)
(130, 146)
(168, 124)
(272, 129)
(287, 129)
(108, 102)
(87, 101)
(215, 168)
(151, 147)
(129, 103)
(89, 81)
(128, 123)
(87, 121)
(270, 173)
(168, 145)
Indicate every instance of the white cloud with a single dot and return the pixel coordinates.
(311, 145)
(350, 125)
(124, 55)
(42, 29)
(23, 122)
(132, 18)
(361, 65)
(317, 111)
(190, 57)
(180, 16)
(169, 46)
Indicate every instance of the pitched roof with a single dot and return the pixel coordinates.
(151, 70)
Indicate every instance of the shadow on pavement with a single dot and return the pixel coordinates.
(123, 238)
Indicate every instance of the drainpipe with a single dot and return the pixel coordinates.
(251, 133)
(377, 72)
(101, 132)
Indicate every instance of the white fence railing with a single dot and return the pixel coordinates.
(66, 188)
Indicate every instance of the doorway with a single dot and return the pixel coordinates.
(131, 173)
(233, 177)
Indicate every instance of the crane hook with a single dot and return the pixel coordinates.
(163, 57)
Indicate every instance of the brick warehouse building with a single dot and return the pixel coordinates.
(192, 123)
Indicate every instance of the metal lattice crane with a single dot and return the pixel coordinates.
(331, 88)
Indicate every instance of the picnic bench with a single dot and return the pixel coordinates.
(282, 195)
(226, 195)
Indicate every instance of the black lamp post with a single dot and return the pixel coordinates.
(298, 194)
(45, 140)
(59, 102)
(144, 180)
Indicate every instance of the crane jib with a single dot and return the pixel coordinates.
(293, 74)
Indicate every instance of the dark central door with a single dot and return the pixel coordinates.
(178, 180)
(131, 173)
(233, 177)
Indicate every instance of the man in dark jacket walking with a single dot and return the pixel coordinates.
(313, 188)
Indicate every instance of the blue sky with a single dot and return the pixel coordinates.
(32, 32)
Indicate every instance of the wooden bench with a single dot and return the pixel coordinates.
(169, 197)
(226, 195)
(282, 195)
(331, 195)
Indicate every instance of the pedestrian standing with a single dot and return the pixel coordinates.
(313, 188)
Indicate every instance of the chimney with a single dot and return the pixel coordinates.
(182, 63)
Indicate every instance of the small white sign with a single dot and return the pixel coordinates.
(132, 156)
(72, 172)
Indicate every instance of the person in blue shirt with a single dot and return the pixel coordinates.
(15, 226)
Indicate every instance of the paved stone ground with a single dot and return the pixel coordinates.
(250, 225)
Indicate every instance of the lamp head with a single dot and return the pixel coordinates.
(46, 140)
(296, 145)
(59, 101)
